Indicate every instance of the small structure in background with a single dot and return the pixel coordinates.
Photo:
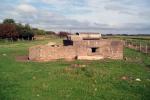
(84, 36)
(82, 46)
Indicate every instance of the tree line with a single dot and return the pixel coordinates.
(11, 30)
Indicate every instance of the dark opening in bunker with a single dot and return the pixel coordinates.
(94, 50)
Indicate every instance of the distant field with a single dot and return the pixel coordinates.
(130, 37)
(137, 39)
(99, 80)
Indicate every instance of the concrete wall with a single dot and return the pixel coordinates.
(80, 49)
(75, 38)
(83, 36)
(90, 35)
(46, 53)
(106, 48)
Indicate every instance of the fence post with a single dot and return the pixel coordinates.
(146, 49)
(140, 46)
(126, 43)
(136, 47)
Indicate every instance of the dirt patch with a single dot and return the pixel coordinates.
(124, 78)
(22, 58)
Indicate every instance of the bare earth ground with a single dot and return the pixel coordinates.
(22, 58)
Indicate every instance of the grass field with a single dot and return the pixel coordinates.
(100, 80)
(144, 40)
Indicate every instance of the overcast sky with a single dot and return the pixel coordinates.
(105, 16)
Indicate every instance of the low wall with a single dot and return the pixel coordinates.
(79, 49)
(46, 53)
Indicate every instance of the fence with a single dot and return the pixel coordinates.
(138, 46)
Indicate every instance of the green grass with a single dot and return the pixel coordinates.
(100, 80)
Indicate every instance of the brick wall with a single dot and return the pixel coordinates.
(46, 53)
(104, 49)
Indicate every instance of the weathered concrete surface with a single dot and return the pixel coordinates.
(90, 57)
(82, 36)
(46, 53)
(83, 49)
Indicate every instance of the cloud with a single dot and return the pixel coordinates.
(27, 8)
(79, 14)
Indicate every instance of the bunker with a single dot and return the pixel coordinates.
(82, 46)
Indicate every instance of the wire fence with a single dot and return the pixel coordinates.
(140, 46)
